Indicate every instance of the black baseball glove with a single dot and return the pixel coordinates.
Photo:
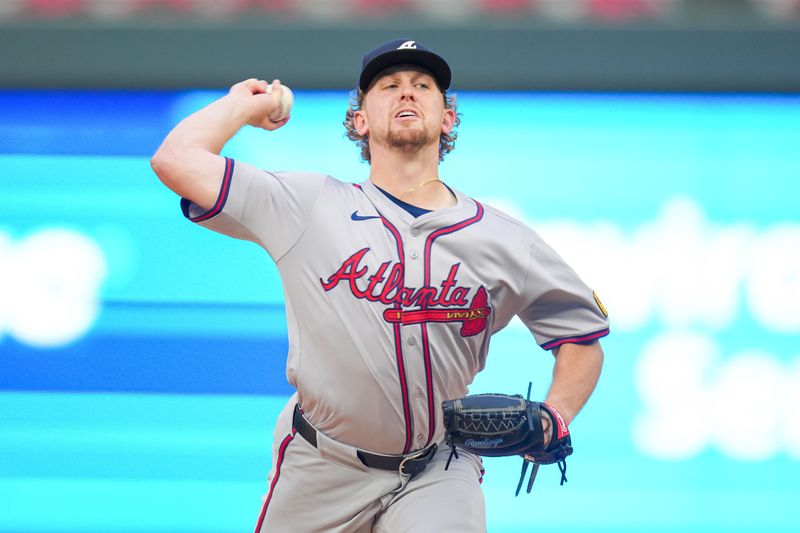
(499, 425)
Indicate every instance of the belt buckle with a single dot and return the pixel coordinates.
(416, 463)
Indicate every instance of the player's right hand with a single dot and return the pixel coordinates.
(259, 100)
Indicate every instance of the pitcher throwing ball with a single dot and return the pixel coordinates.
(393, 289)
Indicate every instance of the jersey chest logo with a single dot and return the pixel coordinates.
(446, 303)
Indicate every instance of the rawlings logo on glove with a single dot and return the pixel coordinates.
(483, 444)
(499, 425)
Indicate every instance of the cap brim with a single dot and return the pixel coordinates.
(427, 60)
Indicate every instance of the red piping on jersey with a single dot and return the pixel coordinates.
(426, 356)
(223, 194)
(281, 455)
(398, 344)
(426, 349)
(401, 371)
(575, 340)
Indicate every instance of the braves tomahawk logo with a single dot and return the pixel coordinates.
(446, 303)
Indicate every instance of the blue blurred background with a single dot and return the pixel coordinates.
(142, 357)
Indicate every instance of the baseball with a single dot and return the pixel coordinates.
(284, 105)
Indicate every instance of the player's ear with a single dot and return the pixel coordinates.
(448, 120)
(360, 122)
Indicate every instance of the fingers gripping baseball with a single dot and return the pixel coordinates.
(266, 105)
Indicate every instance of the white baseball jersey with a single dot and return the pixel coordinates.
(388, 314)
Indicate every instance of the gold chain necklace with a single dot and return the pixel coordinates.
(414, 188)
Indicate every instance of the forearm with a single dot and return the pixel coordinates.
(188, 160)
(209, 128)
(575, 375)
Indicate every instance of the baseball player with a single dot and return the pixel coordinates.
(393, 288)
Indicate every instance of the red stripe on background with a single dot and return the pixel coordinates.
(281, 455)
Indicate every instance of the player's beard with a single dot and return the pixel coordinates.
(409, 140)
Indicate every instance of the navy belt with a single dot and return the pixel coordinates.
(409, 465)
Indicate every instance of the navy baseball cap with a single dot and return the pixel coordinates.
(403, 52)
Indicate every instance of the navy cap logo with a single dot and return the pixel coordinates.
(400, 52)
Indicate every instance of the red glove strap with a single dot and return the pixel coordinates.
(563, 430)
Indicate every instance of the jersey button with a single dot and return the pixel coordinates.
(418, 393)
(414, 254)
(420, 438)
(415, 232)
(412, 341)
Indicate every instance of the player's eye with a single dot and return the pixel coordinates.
(422, 85)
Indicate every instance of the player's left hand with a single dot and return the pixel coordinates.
(498, 425)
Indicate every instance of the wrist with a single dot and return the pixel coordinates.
(237, 109)
(558, 406)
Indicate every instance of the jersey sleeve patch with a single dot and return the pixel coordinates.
(600, 304)
(577, 339)
(188, 207)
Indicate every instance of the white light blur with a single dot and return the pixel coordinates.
(682, 270)
(50, 289)
(671, 379)
(774, 282)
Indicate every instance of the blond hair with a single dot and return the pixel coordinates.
(447, 141)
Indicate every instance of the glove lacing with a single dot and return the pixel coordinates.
(562, 467)
(453, 453)
(562, 464)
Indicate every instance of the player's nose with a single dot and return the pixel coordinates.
(407, 92)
